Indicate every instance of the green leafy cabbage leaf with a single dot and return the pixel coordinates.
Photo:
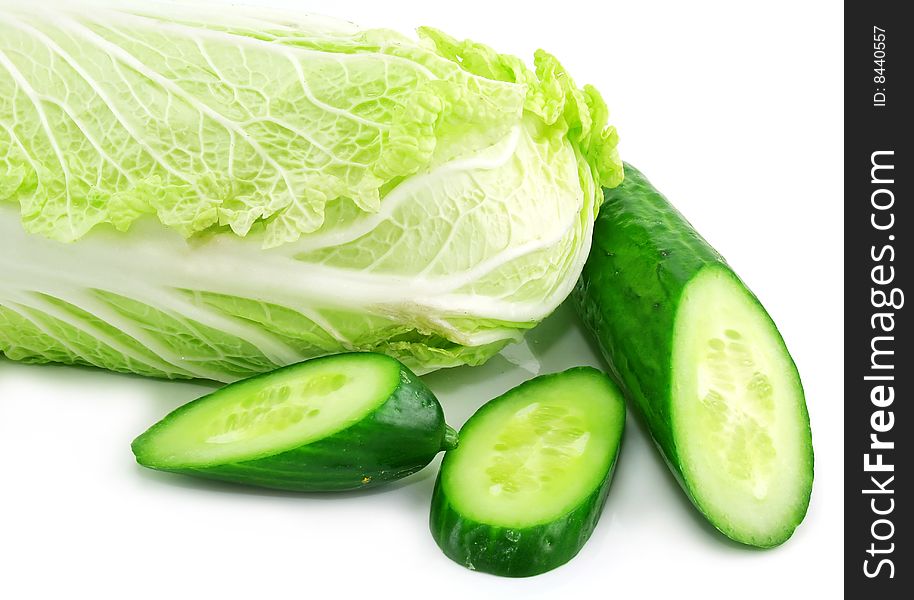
(198, 193)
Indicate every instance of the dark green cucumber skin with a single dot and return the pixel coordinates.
(643, 255)
(398, 438)
(516, 552)
(511, 552)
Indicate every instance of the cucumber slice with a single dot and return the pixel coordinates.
(334, 423)
(703, 362)
(525, 488)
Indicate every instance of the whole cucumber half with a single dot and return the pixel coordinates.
(525, 488)
(702, 361)
(339, 422)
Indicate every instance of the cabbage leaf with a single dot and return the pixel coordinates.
(212, 194)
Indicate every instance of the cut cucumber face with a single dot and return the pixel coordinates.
(739, 418)
(703, 363)
(524, 490)
(264, 415)
(339, 422)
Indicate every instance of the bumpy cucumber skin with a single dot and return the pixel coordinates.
(398, 438)
(644, 253)
(510, 552)
(517, 552)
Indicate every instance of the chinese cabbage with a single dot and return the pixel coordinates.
(214, 195)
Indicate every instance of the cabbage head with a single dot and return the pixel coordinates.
(190, 193)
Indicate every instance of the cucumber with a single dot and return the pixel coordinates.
(702, 362)
(525, 488)
(339, 422)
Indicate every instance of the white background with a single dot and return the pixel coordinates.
(735, 112)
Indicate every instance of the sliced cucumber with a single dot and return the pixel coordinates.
(703, 362)
(525, 488)
(333, 423)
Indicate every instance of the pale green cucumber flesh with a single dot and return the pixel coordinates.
(271, 413)
(537, 452)
(524, 490)
(738, 413)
